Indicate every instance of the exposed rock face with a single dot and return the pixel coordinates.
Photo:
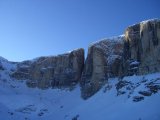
(137, 52)
(2, 60)
(1, 66)
(141, 55)
(55, 71)
(104, 60)
(143, 44)
(22, 71)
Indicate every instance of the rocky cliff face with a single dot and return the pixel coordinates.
(104, 60)
(137, 52)
(56, 71)
(142, 44)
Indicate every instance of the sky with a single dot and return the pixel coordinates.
(33, 28)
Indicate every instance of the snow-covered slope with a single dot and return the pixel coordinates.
(107, 104)
(131, 98)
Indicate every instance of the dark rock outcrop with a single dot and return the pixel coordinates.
(104, 60)
(145, 93)
(1, 66)
(2, 60)
(54, 71)
(138, 98)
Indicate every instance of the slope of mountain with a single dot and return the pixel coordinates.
(132, 98)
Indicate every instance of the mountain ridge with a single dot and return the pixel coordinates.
(109, 57)
(120, 79)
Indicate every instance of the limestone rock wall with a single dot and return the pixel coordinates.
(136, 52)
(104, 60)
(54, 71)
(142, 43)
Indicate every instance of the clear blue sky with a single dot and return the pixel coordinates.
(32, 28)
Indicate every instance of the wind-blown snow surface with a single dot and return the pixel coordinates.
(18, 102)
